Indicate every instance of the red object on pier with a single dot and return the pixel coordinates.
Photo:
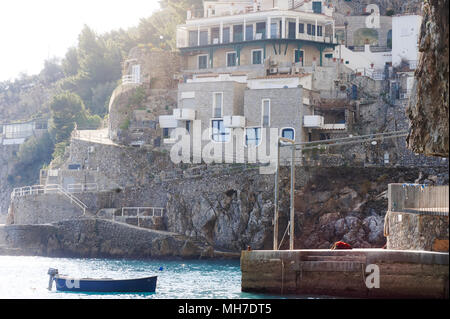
(341, 245)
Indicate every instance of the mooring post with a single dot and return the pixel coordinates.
(275, 223)
(291, 238)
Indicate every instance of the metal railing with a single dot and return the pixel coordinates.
(418, 199)
(140, 213)
(81, 188)
(48, 189)
(130, 79)
(376, 75)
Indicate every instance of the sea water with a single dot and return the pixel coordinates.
(26, 278)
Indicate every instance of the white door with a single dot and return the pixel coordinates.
(136, 71)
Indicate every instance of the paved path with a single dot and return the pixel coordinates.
(96, 136)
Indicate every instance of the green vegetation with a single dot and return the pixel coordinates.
(80, 85)
(32, 155)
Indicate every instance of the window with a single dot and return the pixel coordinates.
(253, 136)
(288, 133)
(261, 29)
(249, 33)
(257, 57)
(188, 126)
(166, 132)
(217, 104)
(299, 56)
(291, 30)
(226, 35)
(301, 28)
(319, 30)
(273, 30)
(311, 29)
(317, 7)
(219, 132)
(238, 33)
(231, 59)
(193, 38)
(203, 61)
(215, 35)
(203, 37)
(265, 121)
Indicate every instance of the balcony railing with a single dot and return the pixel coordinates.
(418, 199)
(184, 114)
(318, 122)
(313, 121)
(168, 121)
(233, 121)
(130, 79)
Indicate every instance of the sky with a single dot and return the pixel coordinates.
(32, 31)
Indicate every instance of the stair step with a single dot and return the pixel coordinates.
(361, 259)
(326, 266)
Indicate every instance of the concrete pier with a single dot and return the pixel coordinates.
(345, 273)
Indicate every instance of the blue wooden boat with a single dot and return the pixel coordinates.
(64, 283)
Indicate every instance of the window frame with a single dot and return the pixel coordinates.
(226, 133)
(301, 28)
(262, 112)
(262, 58)
(214, 105)
(260, 137)
(198, 61)
(235, 61)
(287, 128)
(303, 56)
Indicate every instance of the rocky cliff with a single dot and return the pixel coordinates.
(95, 238)
(232, 211)
(428, 108)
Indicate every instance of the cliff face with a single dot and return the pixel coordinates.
(428, 108)
(90, 238)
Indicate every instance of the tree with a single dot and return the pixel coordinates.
(70, 63)
(52, 71)
(66, 108)
(32, 155)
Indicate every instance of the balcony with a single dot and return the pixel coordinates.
(317, 122)
(313, 121)
(167, 121)
(234, 121)
(184, 114)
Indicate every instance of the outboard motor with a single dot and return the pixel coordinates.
(52, 273)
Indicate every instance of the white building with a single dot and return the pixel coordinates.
(405, 37)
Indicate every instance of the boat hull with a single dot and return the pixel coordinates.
(147, 284)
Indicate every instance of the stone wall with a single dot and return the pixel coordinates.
(95, 238)
(417, 232)
(122, 165)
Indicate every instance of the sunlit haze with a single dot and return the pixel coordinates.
(32, 31)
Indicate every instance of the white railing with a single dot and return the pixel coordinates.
(418, 199)
(48, 189)
(141, 213)
(81, 188)
(130, 79)
(377, 75)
